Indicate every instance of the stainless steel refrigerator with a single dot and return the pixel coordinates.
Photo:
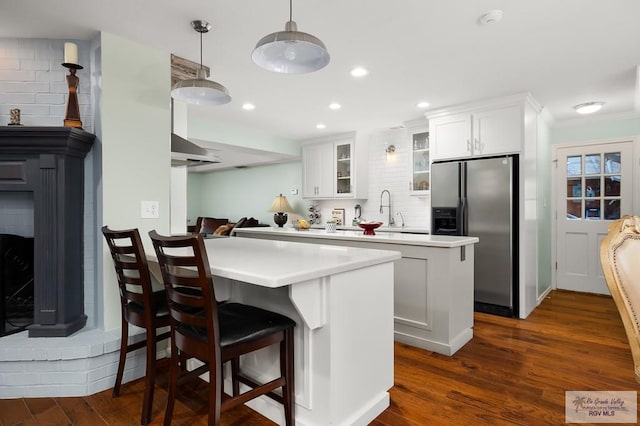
(478, 198)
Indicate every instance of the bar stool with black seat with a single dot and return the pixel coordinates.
(216, 333)
(140, 306)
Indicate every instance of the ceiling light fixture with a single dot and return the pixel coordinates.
(290, 51)
(423, 104)
(335, 105)
(321, 126)
(359, 72)
(588, 107)
(200, 91)
(248, 106)
(491, 17)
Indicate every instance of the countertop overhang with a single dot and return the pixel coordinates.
(281, 263)
(443, 241)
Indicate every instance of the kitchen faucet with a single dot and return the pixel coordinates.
(390, 222)
(401, 218)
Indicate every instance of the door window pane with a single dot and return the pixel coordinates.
(592, 164)
(611, 209)
(592, 209)
(574, 187)
(612, 186)
(612, 162)
(574, 165)
(592, 187)
(574, 209)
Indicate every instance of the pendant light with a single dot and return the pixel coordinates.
(290, 51)
(200, 91)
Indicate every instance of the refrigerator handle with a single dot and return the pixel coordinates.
(462, 191)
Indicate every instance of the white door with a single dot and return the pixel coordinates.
(593, 187)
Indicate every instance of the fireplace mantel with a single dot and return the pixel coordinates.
(49, 162)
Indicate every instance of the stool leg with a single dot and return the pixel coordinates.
(150, 377)
(124, 339)
(235, 370)
(287, 370)
(174, 369)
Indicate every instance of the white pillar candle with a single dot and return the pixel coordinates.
(70, 53)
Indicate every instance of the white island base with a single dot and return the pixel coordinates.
(342, 301)
(433, 291)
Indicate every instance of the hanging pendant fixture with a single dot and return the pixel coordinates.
(290, 51)
(200, 91)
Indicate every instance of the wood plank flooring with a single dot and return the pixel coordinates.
(513, 372)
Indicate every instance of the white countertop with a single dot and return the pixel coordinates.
(281, 263)
(444, 241)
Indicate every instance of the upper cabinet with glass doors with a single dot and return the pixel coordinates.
(334, 167)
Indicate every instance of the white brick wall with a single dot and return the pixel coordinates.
(79, 365)
(32, 79)
(394, 175)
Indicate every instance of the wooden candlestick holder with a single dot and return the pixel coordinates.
(72, 119)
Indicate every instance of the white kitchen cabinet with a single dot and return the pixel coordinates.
(450, 136)
(334, 167)
(317, 178)
(478, 132)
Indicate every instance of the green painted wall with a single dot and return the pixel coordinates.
(543, 168)
(247, 192)
(598, 128)
(210, 130)
(136, 150)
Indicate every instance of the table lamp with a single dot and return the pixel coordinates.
(280, 206)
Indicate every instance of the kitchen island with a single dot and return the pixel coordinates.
(433, 281)
(341, 299)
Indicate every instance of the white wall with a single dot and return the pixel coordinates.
(136, 159)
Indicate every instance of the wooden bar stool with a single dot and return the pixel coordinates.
(140, 306)
(216, 333)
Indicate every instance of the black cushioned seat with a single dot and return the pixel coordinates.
(242, 323)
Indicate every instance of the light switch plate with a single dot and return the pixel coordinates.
(294, 191)
(149, 209)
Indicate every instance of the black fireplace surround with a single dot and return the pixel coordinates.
(49, 162)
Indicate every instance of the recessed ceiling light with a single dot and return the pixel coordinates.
(588, 107)
(359, 72)
(335, 105)
(491, 17)
(248, 106)
(423, 104)
(321, 126)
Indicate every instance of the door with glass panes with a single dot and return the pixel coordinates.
(593, 188)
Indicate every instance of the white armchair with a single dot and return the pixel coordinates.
(620, 258)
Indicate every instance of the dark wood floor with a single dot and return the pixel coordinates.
(513, 372)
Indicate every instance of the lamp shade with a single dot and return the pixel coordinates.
(200, 91)
(290, 52)
(280, 205)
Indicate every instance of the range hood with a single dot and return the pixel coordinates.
(186, 153)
